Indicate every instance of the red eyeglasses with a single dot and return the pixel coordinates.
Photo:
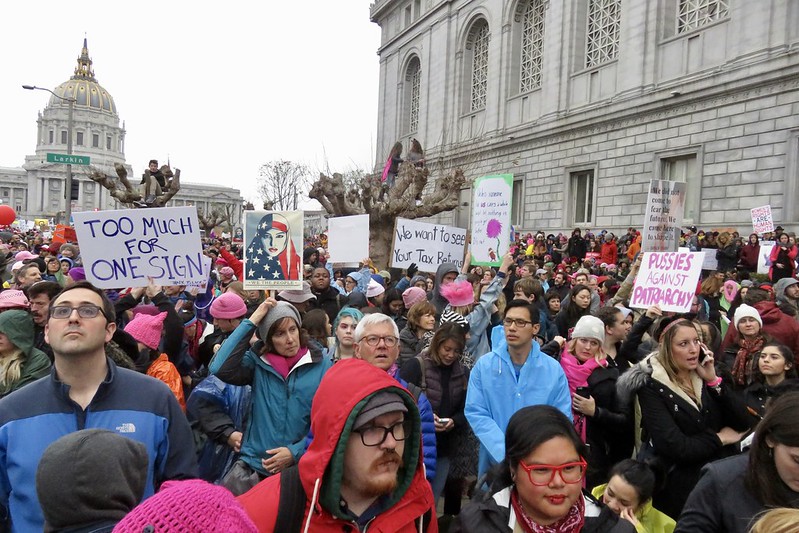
(542, 475)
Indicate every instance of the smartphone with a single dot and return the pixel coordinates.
(443, 421)
(583, 391)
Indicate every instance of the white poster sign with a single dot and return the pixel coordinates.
(663, 216)
(348, 238)
(123, 248)
(668, 279)
(491, 219)
(762, 222)
(763, 259)
(427, 245)
(710, 262)
(271, 260)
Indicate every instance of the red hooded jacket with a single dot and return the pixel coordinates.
(781, 327)
(344, 386)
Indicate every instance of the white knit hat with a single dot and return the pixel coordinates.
(589, 327)
(746, 310)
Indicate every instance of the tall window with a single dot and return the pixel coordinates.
(517, 203)
(63, 136)
(582, 197)
(108, 142)
(52, 136)
(532, 46)
(479, 82)
(684, 168)
(697, 13)
(95, 140)
(604, 23)
(79, 138)
(413, 78)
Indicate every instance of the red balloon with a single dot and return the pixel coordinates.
(7, 215)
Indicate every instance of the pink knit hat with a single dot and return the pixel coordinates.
(226, 272)
(458, 293)
(413, 295)
(13, 299)
(190, 505)
(147, 329)
(228, 305)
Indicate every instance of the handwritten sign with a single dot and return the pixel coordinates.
(491, 219)
(427, 245)
(764, 257)
(762, 222)
(348, 238)
(123, 248)
(271, 260)
(202, 285)
(665, 205)
(667, 279)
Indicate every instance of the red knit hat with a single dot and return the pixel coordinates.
(191, 505)
(147, 329)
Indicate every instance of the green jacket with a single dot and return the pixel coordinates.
(17, 325)
(650, 520)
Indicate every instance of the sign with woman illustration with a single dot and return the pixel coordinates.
(271, 260)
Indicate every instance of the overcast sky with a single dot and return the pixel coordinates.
(219, 88)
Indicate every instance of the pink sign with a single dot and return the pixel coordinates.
(667, 279)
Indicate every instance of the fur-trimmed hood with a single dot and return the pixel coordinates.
(633, 380)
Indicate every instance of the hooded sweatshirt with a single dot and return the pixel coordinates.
(435, 296)
(17, 325)
(343, 392)
(779, 292)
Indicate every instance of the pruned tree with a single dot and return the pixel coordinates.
(128, 194)
(281, 184)
(208, 221)
(400, 201)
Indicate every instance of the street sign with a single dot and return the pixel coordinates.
(68, 159)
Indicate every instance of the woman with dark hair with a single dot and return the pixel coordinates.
(783, 259)
(688, 414)
(579, 306)
(775, 363)
(284, 369)
(538, 486)
(394, 306)
(317, 325)
(577, 246)
(750, 253)
(391, 168)
(734, 491)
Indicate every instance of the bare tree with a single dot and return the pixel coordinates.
(130, 195)
(401, 201)
(208, 221)
(281, 183)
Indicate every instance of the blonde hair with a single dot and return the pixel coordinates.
(598, 356)
(666, 357)
(780, 520)
(11, 368)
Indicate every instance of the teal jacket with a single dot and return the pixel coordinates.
(280, 412)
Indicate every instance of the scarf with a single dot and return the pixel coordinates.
(571, 523)
(742, 367)
(577, 376)
(283, 365)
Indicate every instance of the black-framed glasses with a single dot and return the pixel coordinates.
(518, 322)
(61, 312)
(373, 340)
(376, 435)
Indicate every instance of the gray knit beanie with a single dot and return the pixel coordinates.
(589, 327)
(280, 311)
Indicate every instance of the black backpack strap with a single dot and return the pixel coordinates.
(423, 380)
(291, 509)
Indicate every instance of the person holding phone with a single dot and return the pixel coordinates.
(783, 259)
(592, 382)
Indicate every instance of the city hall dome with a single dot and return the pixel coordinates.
(83, 87)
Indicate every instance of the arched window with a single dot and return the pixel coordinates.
(532, 50)
(477, 44)
(604, 25)
(413, 79)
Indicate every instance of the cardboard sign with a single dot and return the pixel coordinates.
(491, 219)
(764, 259)
(762, 222)
(348, 239)
(667, 279)
(427, 245)
(271, 260)
(665, 205)
(123, 248)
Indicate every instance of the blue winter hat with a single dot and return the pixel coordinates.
(356, 276)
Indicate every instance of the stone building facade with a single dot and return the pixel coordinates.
(586, 101)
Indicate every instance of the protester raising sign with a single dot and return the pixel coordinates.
(270, 258)
(491, 219)
(427, 245)
(667, 279)
(762, 222)
(123, 248)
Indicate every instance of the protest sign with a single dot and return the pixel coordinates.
(427, 245)
(665, 204)
(348, 239)
(710, 262)
(762, 222)
(491, 219)
(202, 285)
(668, 279)
(271, 260)
(764, 257)
(123, 248)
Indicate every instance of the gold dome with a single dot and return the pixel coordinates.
(83, 87)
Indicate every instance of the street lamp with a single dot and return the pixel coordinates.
(68, 184)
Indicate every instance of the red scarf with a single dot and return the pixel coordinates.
(742, 367)
(571, 523)
(283, 365)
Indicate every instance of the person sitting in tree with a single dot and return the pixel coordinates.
(152, 183)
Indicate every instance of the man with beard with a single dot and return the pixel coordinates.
(361, 469)
(85, 390)
(40, 295)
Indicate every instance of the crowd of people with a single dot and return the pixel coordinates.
(520, 398)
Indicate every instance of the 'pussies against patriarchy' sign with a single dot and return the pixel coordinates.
(667, 279)
(123, 248)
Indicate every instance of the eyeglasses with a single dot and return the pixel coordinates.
(518, 322)
(376, 435)
(542, 475)
(84, 311)
(373, 340)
